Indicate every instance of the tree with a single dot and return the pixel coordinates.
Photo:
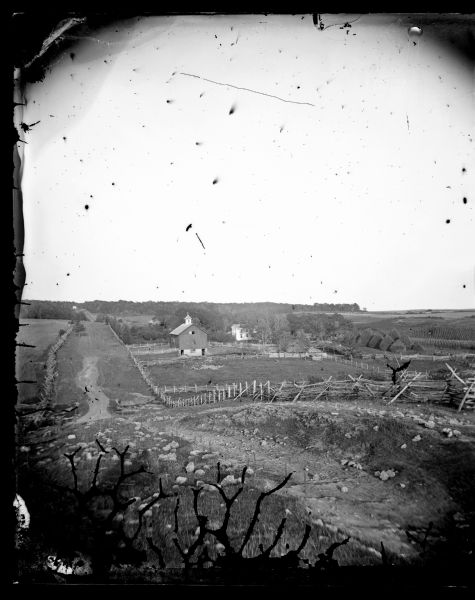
(283, 340)
(279, 326)
(264, 330)
(302, 341)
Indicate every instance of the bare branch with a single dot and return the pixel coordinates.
(70, 457)
(278, 535)
(175, 512)
(101, 447)
(157, 551)
(257, 510)
(96, 472)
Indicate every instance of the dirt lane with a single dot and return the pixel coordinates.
(98, 401)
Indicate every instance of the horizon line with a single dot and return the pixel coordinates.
(250, 302)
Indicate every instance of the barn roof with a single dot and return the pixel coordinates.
(183, 327)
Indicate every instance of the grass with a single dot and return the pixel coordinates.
(201, 372)
(118, 376)
(159, 525)
(41, 333)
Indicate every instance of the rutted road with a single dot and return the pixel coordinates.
(98, 401)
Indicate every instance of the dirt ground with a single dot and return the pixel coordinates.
(337, 453)
(435, 477)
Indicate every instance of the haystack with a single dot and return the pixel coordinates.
(386, 342)
(394, 333)
(375, 340)
(365, 336)
(397, 347)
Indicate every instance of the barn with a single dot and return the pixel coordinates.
(189, 339)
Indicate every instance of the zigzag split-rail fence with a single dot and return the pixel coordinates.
(415, 387)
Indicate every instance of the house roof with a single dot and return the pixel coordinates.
(183, 327)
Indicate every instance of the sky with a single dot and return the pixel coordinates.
(312, 166)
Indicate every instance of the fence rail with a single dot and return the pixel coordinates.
(410, 386)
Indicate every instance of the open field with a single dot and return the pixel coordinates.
(41, 333)
(446, 315)
(98, 357)
(189, 371)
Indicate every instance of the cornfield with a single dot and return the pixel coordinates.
(445, 343)
(444, 333)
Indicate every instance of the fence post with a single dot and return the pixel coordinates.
(196, 388)
(260, 385)
(254, 387)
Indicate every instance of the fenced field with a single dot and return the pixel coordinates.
(30, 361)
(222, 371)
(109, 366)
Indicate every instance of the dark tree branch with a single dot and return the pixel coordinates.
(257, 510)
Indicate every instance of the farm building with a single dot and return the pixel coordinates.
(189, 339)
(240, 333)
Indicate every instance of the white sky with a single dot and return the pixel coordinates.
(352, 195)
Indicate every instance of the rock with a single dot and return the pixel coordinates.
(24, 448)
(256, 430)
(348, 435)
(456, 432)
(195, 452)
(344, 461)
(344, 489)
(376, 428)
(383, 476)
(200, 473)
(170, 456)
(404, 446)
(263, 443)
(229, 480)
(209, 488)
(190, 467)
(429, 424)
(174, 445)
(71, 436)
(403, 485)
(181, 480)
(249, 471)
(416, 438)
(209, 455)
(166, 448)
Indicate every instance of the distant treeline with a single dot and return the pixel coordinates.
(268, 322)
(234, 311)
(45, 309)
(326, 307)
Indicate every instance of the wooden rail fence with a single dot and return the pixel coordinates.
(414, 387)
